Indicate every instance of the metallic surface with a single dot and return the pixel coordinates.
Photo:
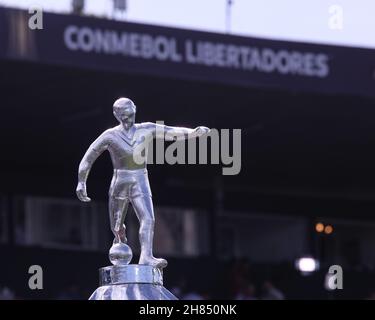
(133, 273)
(120, 254)
(132, 291)
(130, 183)
(131, 282)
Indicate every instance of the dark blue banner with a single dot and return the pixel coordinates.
(144, 49)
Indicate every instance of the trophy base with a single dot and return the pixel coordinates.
(132, 291)
(131, 282)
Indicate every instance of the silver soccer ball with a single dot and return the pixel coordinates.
(120, 254)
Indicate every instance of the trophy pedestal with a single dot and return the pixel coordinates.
(131, 282)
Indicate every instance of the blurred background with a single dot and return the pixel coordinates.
(297, 79)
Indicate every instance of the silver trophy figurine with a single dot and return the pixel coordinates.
(127, 144)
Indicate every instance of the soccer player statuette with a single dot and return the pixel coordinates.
(127, 144)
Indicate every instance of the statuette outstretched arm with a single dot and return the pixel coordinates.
(178, 133)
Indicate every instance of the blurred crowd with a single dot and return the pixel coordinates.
(238, 282)
(247, 291)
(6, 293)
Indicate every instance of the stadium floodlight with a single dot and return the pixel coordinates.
(78, 6)
(307, 265)
(119, 9)
(120, 5)
(228, 15)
